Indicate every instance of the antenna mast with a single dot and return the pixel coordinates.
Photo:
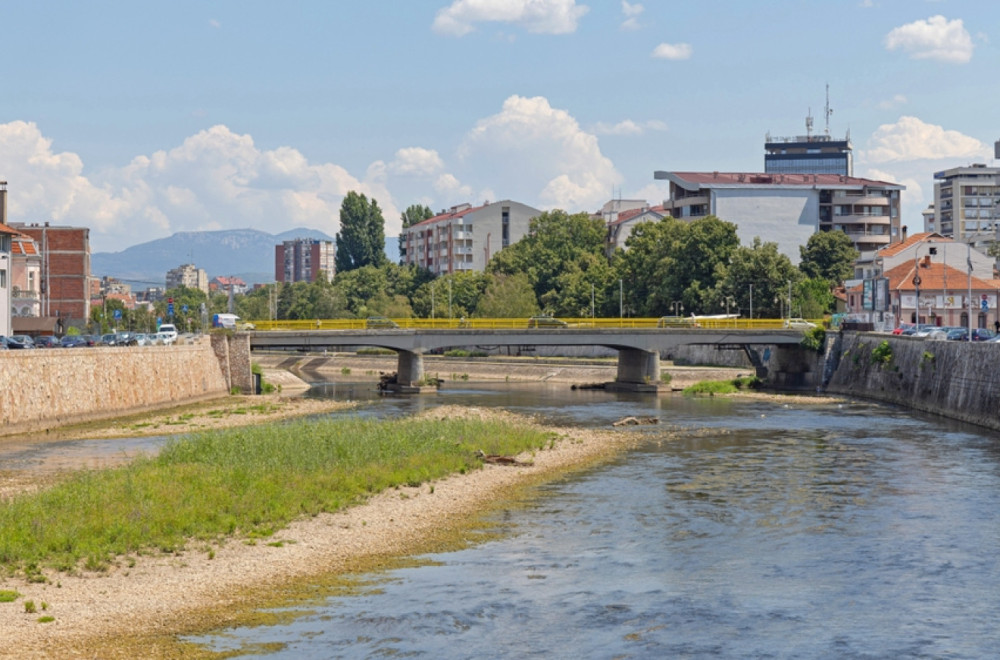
(829, 111)
(809, 124)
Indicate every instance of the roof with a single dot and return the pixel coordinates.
(631, 214)
(227, 281)
(448, 215)
(757, 179)
(896, 248)
(24, 245)
(4, 229)
(936, 277)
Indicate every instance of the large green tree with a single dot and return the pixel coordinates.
(458, 293)
(758, 276)
(558, 244)
(412, 215)
(829, 255)
(671, 265)
(361, 239)
(508, 296)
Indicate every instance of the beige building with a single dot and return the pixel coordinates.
(465, 237)
(188, 275)
(967, 204)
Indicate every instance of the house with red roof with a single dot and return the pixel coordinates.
(927, 278)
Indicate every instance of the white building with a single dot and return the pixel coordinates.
(967, 204)
(6, 237)
(621, 225)
(789, 208)
(465, 237)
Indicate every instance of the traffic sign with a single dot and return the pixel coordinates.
(984, 305)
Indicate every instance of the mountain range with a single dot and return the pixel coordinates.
(244, 253)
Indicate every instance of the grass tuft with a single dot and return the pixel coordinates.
(245, 482)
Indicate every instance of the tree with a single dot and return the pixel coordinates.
(361, 239)
(412, 215)
(459, 291)
(507, 296)
(672, 261)
(557, 243)
(762, 270)
(829, 255)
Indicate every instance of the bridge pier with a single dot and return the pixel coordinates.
(638, 371)
(409, 372)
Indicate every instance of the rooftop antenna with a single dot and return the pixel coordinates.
(809, 124)
(829, 110)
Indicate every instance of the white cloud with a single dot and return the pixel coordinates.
(672, 51)
(936, 38)
(451, 188)
(416, 161)
(539, 152)
(214, 23)
(215, 179)
(539, 16)
(895, 101)
(629, 127)
(912, 139)
(631, 12)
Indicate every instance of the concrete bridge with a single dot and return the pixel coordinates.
(639, 349)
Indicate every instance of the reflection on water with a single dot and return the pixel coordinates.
(738, 529)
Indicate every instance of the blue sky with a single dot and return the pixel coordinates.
(141, 119)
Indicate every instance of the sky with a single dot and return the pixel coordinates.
(143, 119)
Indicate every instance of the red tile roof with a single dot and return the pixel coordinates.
(448, 215)
(896, 248)
(936, 277)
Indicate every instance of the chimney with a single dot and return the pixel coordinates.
(3, 202)
(904, 232)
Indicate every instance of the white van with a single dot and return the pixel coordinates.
(227, 321)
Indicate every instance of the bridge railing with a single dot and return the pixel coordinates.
(523, 323)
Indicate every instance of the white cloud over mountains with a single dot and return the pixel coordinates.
(220, 179)
(538, 16)
(936, 38)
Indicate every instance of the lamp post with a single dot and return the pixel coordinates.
(621, 300)
(675, 305)
(751, 302)
(729, 301)
(969, 262)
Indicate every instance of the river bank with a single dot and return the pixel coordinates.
(136, 608)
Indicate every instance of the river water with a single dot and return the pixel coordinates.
(764, 530)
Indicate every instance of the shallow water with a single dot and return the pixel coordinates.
(762, 530)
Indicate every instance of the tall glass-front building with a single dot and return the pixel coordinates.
(808, 154)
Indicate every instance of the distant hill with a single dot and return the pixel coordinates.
(243, 253)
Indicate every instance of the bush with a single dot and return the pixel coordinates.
(814, 339)
(882, 354)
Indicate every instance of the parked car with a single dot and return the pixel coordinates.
(125, 339)
(978, 334)
(903, 327)
(92, 340)
(941, 334)
(11, 343)
(922, 330)
(168, 329)
(799, 324)
(546, 322)
(110, 339)
(379, 322)
(46, 341)
(24, 339)
(141, 339)
(72, 341)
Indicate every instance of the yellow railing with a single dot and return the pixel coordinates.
(523, 323)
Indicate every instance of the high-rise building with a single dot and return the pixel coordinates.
(967, 204)
(465, 237)
(809, 154)
(188, 275)
(303, 259)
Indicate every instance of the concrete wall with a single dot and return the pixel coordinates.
(953, 379)
(43, 388)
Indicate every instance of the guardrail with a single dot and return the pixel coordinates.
(523, 323)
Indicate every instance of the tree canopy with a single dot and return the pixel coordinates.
(412, 215)
(829, 255)
(361, 239)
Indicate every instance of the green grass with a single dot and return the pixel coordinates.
(246, 482)
(7, 596)
(712, 387)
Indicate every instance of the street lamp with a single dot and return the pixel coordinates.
(675, 305)
(729, 301)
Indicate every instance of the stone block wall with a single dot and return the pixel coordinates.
(949, 378)
(45, 387)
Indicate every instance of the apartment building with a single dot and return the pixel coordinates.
(789, 208)
(967, 204)
(465, 237)
(303, 259)
(623, 222)
(188, 275)
(808, 154)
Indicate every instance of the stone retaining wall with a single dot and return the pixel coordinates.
(950, 378)
(43, 388)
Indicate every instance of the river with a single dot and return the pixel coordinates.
(761, 530)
